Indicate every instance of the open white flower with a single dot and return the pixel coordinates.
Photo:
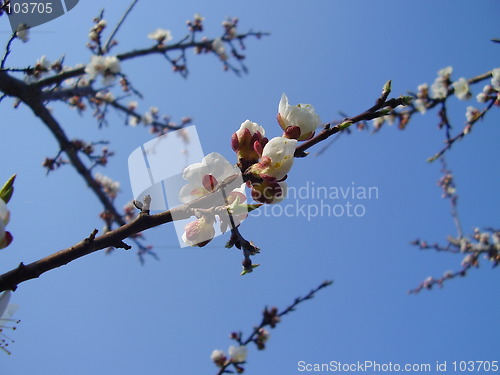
(160, 35)
(445, 72)
(43, 63)
(238, 353)
(439, 90)
(461, 89)
(471, 114)
(277, 159)
(219, 49)
(495, 78)
(440, 86)
(301, 115)
(107, 66)
(205, 176)
(23, 32)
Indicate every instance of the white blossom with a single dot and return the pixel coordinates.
(461, 89)
(147, 119)
(238, 353)
(439, 90)
(219, 49)
(106, 96)
(107, 66)
(44, 63)
(277, 158)
(23, 33)
(445, 72)
(301, 115)
(481, 97)
(471, 113)
(423, 90)
(205, 176)
(133, 120)
(109, 186)
(198, 17)
(420, 105)
(218, 357)
(495, 78)
(160, 35)
(198, 232)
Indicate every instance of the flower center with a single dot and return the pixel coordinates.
(209, 182)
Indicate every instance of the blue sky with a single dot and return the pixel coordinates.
(109, 314)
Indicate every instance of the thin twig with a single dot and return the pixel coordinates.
(7, 51)
(10, 280)
(117, 27)
(271, 318)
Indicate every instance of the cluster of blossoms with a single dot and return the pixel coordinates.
(219, 49)
(238, 354)
(490, 92)
(480, 242)
(6, 322)
(161, 36)
(110, 187)
(264, 165)
(196, 24)
(237, 357)
(440, 86)
(97, 29)
(229, 26)
(269, 161)
(440, 89)
(41, 68)
(106, 66)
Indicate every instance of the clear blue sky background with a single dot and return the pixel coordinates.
(110, 315)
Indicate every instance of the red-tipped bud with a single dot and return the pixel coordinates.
(235, 145)
(257, 147)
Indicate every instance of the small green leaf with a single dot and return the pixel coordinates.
(345, 125)
(7, 189)
(387, 87)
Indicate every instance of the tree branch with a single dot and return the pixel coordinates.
(115, 238)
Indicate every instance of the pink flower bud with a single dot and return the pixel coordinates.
(199, 232)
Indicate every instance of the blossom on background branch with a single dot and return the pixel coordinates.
(437, 96)
(481, 242)
(237, 354)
